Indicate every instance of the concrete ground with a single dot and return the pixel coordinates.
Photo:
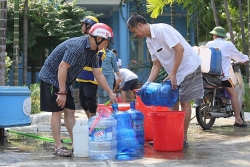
(224, 145)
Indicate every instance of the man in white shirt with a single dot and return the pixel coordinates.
(128, 82)
(228, 52)
(171, 51)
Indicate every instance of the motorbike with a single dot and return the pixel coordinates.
(216, 102)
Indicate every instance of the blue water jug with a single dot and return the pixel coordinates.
(126, 137)
(158, 94)
(138, 126)
(137, 123)
(102, 135)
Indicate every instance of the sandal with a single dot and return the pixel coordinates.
(63, 152)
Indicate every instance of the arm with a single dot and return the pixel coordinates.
(118, 81)
(115, 67)
(103, 83)
(62, 75)
(119, 75)
(178, 58)
(236, 54)
(154, 71)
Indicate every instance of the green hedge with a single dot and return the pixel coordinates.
(35, 98)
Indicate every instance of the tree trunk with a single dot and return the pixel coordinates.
(3, 19)
(188, 28)
(243, 37)
(173, 14)
(229, 24)
(33, 72)
(16, 43)
(25, 41)
(217, 23)
(248, 36)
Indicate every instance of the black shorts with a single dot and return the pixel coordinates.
(228, 83)
(48, 98)
(87, 96)
(130, 85)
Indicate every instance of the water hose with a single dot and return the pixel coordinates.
(37, 136)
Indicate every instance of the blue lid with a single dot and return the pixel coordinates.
(10, 90)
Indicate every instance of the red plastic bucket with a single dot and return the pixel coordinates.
(168, 129)
(147, 110)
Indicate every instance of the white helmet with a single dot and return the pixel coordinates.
(102, 30)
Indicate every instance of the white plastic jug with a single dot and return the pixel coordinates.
(205, 54)
(81, 138)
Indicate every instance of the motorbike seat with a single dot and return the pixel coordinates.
(211, 80)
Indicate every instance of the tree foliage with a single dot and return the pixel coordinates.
(48, 25)
(201, 16)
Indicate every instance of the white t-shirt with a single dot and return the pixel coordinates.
(126, 75)
(228, 52)
(163, 38)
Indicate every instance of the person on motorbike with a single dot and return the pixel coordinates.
(228, 52)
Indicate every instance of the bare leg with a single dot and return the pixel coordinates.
(69, 120)
(56, 128)
(175, 107)
(235, 104)
(124, 96)
(185, 106)
(132, 95)
(87, 113)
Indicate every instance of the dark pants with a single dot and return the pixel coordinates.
(87, 96)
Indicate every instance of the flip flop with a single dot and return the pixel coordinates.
(244, 124)
(63, 152)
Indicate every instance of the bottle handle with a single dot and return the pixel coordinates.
(94, 123)
(104, 112)
(167, 81)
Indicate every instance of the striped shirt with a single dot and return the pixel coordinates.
(74, 51)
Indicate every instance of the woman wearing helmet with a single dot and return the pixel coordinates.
(59, 71)
(87, 83)
(87, 23)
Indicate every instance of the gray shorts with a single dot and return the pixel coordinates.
(191, 87)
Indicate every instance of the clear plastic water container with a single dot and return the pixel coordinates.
(102, 135)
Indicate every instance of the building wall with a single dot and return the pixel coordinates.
(122, 36)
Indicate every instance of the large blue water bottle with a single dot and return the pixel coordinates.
(137, 123)
(158, 94)
(126, 137)
(102, 135)
(138, 126)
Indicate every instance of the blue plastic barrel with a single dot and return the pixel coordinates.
(15, 107)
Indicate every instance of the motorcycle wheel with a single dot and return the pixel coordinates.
(242, 112)
(204, 120)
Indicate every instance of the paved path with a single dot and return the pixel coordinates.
(222, 146)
